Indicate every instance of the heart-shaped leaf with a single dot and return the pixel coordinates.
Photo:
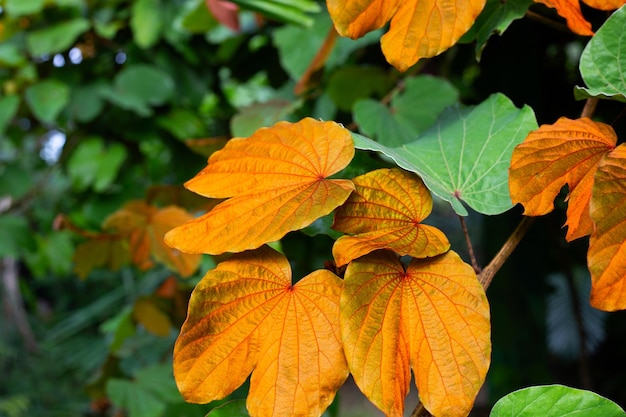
(432, 317)
(419, 28)
(277, 179)
(566, 152)
(465, 156)
(385, 212)
(246, 316)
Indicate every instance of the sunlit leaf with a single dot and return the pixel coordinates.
(465, 156)
(602, 61)
(605, 4)
(386, 212)
(432, 317)
(278, 181)
(144, 226)
(555, 401)
(419, 28)
(566, 152)
(570, 10)
(606, 257)
(246, 316)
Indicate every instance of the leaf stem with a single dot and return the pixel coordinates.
(470, 248)
(420, 411)
(590, 107)
(506, 250)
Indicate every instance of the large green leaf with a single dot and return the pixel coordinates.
(604, 59)
(236, 408)
(47, 98)
(23, 7)
(555, 401)
(56, 38)
(92, 164)
(410, 112)
(465, 156)
(259, 115)
(495, 18)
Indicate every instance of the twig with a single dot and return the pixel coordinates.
(547, 21)
(590, 107)
(420, 411)
(470, 248)
(14, 303)
(496, 263)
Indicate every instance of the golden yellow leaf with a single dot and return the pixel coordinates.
(419, 28)
(570, 10)
(605, 4)
(103, 250)
(566, 152)
(246, 316)
(386, 211)
(278, 182)
(606, 257)
(145, 226)
(146, 312)
(432, 317)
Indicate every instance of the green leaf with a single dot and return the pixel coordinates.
(410, 112)
(603, 59)
(465, 156)
(351, 83)
(47, 99)
(258, 115)
(138, 87)
(92, 164)
(148, 394)
(495, 18)
(287, 11)
(236, 408)
(555, 401)
(11, 54)
(183, 124)
(87, 101)
(16, 8)
(16, 236)
(8, 108)
(56, 38)
(196, 18)
(146, 22)
(15, 180)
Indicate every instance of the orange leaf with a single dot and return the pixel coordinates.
(607, 246)
(277, 179)
(385, 212)
(432, 317)
(570, 10)
(103, 250)
(146, 312)
(144, 226)
(605, 4)
(566, 152)
(419, 28)
(246, 316)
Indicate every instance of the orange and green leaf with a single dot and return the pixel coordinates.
(419, 28)
(144, 226)
(277, 181)
(386, 211)
(246, 316)
(432, 317)
(606, 257)
(566, 152)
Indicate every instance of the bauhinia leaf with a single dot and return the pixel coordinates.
(278, 181)
(465, 156)
(385, 212)
(144, 227)
(602, 61)
(432, 317)
(566, 152)
(605, 4)
(606, 257)
(419, 28)
(246, 316)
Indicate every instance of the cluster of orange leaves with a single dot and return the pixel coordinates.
(300, 340)
(581, 153)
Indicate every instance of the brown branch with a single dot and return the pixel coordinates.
(420, 411)
(590, 107)
(470, 248)
(547, 21)
(506, 250)
(14, 303)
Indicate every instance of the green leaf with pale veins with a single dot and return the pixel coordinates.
(603, 61)
(555, 401)
(465, 156)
